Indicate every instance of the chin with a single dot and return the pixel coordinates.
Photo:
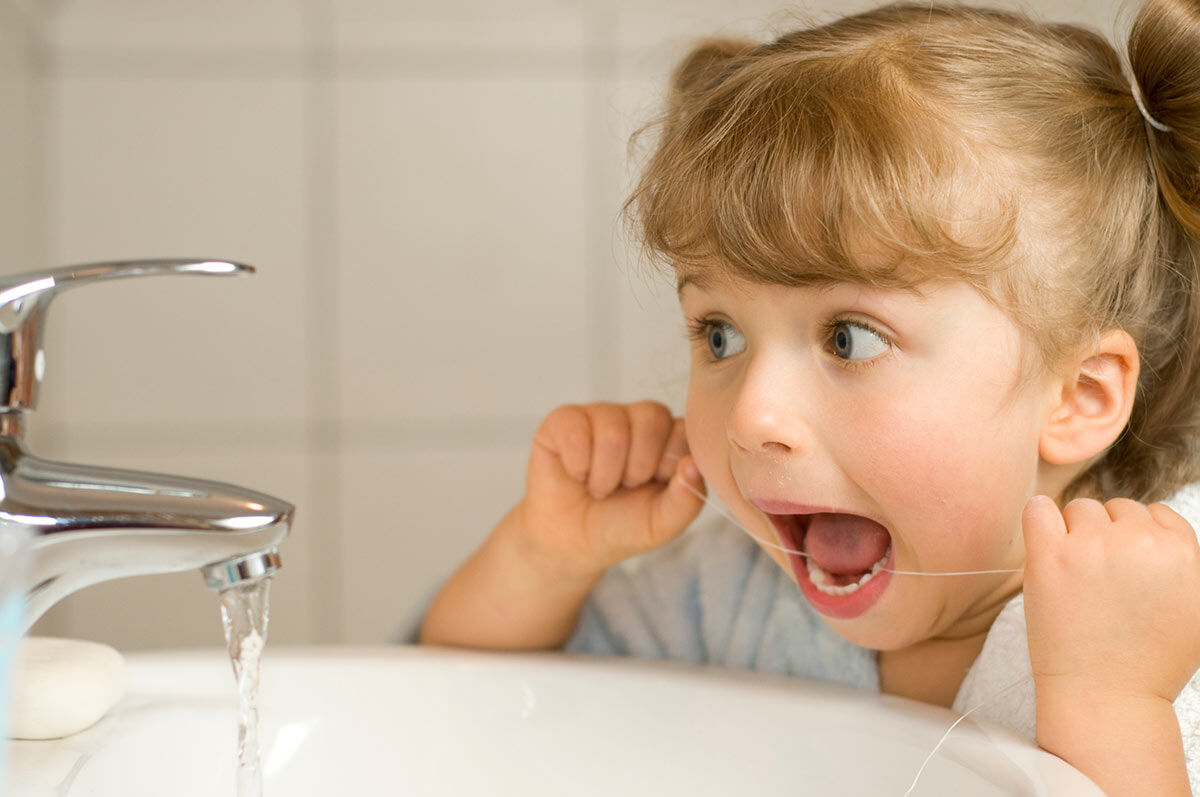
(870, 636)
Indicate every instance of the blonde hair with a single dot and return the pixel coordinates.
(919, 142)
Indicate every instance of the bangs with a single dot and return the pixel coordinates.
(792, 167)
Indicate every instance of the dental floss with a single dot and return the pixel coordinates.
(946, 735)
(941, 742)
(769, 544)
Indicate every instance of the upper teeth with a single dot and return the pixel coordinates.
(821, 579)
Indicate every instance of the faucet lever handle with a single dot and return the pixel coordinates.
(24, 299)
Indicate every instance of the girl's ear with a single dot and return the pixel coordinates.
(1095, 401)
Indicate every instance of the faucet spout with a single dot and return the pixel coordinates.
(94, 524)
(242, 570)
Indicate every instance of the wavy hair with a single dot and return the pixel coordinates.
(961, 143)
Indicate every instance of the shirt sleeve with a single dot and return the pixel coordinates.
(648, 608)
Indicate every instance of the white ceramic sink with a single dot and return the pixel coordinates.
(354, 722)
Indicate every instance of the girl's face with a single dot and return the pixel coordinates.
(870, 429)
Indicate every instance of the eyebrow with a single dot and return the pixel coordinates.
(690, 279)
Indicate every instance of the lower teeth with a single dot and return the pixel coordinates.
(821, 579)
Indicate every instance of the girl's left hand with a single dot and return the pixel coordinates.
(1112, 598)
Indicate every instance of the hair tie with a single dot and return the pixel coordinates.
(1141, 106)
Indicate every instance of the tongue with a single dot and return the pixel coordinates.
(845, 544)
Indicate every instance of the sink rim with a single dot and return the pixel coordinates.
(154, 676)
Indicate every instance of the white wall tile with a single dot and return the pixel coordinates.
(20, 148)
(1102, 15)
(409, 518)
(153, 168)
(673, 24)
(647, 326)
(26, 21)
(173, 610)
(462, 250)
(177, 610)
(666, 29)
(132, 26)
(653, 343)
(459, 25)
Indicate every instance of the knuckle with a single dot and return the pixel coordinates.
(563, 416)
(567, 431)
(612, 431)
(1170, 519)
(651, 414)
(576, 437)
(1079, 507)
(660, 432)
(1122, 505)
(1081, 514)
(656, 408)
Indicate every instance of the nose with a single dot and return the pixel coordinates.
(770, 412)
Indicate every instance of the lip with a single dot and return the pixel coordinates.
(838, 607)
(773, 507)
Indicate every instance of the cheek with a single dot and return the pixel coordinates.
(705, 430)
(964, 461)
(705, 421)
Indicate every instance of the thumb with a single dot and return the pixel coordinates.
(677, 506)
(1042, 523)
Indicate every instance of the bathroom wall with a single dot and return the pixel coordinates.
(430, 190)
(21, 57)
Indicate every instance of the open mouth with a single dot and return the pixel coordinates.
(843, 583)
(841, 553)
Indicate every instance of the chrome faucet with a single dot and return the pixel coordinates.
(93, 524)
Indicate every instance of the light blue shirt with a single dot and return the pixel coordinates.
(715, 597)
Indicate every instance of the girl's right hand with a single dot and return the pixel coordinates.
(606, 482)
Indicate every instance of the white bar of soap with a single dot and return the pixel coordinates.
(63, 686)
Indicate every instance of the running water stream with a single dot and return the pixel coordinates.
(245, 613)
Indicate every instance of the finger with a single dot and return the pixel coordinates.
(564, 438)
(1085, 513)
(1168, 518)
(677, 505)
(650, 428)
(610, 448)
(673, 451)
(1125, 509)
(1042, 523)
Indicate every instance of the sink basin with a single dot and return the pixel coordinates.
(419, 721)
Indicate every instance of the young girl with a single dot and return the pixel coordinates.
(941, 268)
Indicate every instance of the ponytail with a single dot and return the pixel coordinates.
(1160, 450)
(1164, 55)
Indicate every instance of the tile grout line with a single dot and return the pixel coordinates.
(603, 302)
(41, 127)
(383, 62)
(48, 143)
(317, 435)
(324, 438)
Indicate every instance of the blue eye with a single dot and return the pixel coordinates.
(853, 341)
(724, 341)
